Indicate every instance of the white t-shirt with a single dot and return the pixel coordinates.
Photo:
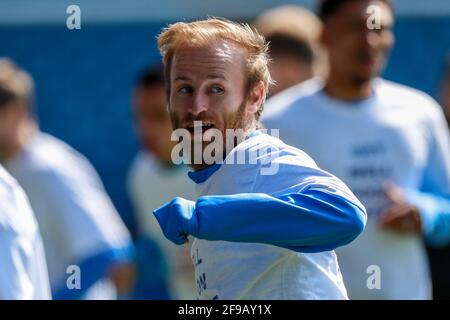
(76, 217)
(150, 185)
(231, 270)
(397, 135)
(23, 267)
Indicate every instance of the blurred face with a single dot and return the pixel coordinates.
(10, 116)
(287, 71)
(355, 50)
(152, 121)
(208, 85)
(445, 94)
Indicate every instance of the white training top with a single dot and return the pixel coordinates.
(397, 135)
(76, 217)
(23, 269)
(232, 270)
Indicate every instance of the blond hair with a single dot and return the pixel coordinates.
(297, 23)
(16, 85)
(206, 32)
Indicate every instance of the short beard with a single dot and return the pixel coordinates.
(358, 81)
(234, 121)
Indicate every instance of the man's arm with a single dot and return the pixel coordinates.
(309, 221)
(432, 201)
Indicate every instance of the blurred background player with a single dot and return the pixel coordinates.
(164, 269)
(440, 257)
(78, 221)
(293, 35)
(388, 142)
(445, 91)
(23, 273)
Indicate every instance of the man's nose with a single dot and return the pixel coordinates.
(199, 104)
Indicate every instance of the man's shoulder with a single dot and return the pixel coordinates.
(265, 146)
(402, 96)
(49, 158)
(291, 98)
(42, 153)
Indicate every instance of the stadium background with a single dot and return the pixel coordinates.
(84, 78)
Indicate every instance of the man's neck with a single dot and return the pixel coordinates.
(24, 133)
(346, 89)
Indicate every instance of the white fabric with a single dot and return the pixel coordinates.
(227, 270)
(76, 217)
(23, 269)
(390, 137)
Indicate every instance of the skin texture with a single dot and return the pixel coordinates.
(15, 129)
(208, 85)
(357, 55)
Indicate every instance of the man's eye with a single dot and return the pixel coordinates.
(185, 90)
(216, 90)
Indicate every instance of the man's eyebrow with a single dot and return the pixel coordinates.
(211, 76)
(216, 76)
(182, 78)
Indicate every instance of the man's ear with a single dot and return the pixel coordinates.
(256, 98)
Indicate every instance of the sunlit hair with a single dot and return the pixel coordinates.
(294, 30)
(206, 32)
(16, 85)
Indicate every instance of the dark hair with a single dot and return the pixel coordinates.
(151, 77)
(329, 7)
(287, 45)
(6, 96)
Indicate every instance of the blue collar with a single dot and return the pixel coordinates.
(254, 134)
(204, 174)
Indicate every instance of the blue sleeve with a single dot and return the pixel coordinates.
(311, 221)
(433, 198)
(92, 269)
(435, 214)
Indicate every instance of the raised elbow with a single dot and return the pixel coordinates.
(355, 222)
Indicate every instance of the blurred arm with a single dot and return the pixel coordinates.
(433, 200)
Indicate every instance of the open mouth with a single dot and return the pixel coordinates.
(199, 127)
